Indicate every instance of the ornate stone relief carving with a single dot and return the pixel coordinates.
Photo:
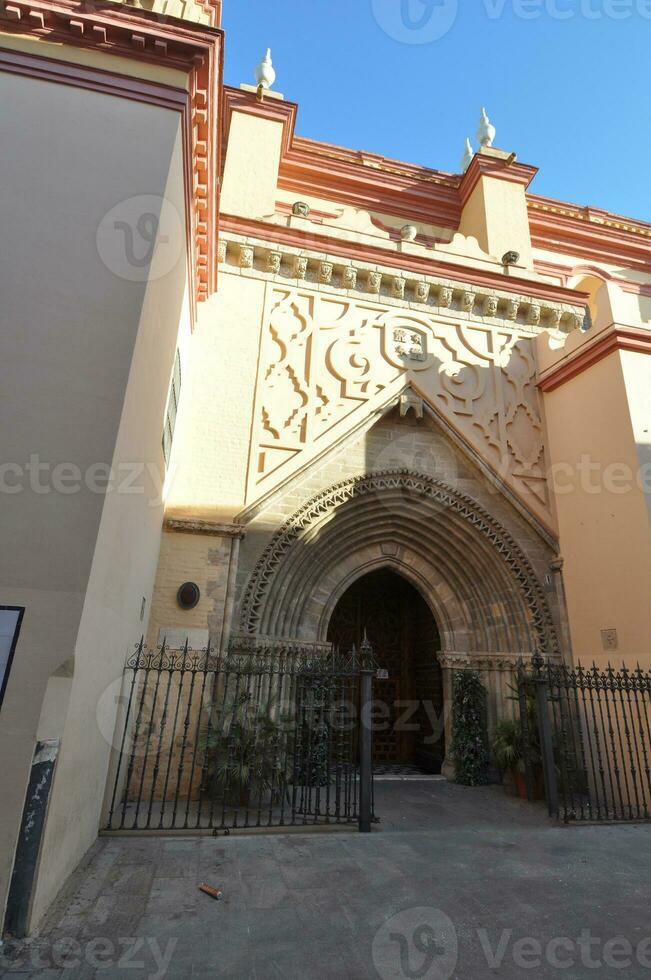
(328, 362)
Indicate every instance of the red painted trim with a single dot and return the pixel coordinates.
(576, 235)
(426, 196)
(356, 178)
(278, 110)
(94, 79)
(410, 263)
(566, 272)
(619, 338)
(489, 166)
(139, 35)
(214, 10)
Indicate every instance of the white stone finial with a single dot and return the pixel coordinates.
(468, 155)
(486, 131)
(264, 73)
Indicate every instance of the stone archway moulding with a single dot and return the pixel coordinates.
(259, 590)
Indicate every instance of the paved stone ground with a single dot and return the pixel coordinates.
(456, 867)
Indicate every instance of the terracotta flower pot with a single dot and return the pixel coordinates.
(538, 785)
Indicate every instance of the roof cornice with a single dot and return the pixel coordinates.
(427, 196)
(507, 169)
(616, 338)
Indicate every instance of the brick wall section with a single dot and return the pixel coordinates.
(199, 558)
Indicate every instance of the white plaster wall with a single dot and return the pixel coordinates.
(85, 361)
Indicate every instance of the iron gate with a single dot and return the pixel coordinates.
(589, 731)
(268, 735)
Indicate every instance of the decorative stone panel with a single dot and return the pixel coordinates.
(328, 362)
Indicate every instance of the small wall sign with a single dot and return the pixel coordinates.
(609, 639)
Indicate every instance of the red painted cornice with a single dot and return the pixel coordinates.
(423, 265)
(139, 35)
(566, 229)
(266, 107)
(567, 272)
(353, 177)
(426, 196)
(616, 338)
(484, 165)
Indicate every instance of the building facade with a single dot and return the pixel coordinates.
(393, 400)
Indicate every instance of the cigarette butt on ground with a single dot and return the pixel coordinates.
(209, 890)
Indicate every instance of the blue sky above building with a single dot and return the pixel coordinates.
(566, 82)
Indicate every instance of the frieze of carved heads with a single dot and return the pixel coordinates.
(534, 315)
(300, 267)
(374, 282)
(273, 262)
(445, 297)
(349, 277)
(246, 257)
(468, 301)
(558, 319)
(325, 272)
(494, 303)
(327, 362)
(398, 287)
(512, 309)
(490, 306)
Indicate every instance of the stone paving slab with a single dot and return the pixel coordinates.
(455, 884)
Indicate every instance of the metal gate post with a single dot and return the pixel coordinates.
(546, 743)
(365, 749)
(524, 728)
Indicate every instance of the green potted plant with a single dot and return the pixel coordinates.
(507, 748)
(469, 738)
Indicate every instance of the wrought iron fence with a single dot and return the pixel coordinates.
(594, 733)
(268, 735)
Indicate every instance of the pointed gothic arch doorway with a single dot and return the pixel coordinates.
(409, 721)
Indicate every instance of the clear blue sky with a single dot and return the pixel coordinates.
(571, 96)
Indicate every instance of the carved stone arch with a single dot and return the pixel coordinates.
(471, 569)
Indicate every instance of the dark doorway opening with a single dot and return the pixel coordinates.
(408, 720)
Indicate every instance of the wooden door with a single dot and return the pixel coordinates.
(404, 638)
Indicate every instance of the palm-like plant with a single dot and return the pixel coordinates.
(248, 750)
(507, 745)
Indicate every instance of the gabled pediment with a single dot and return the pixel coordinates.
(330, 366)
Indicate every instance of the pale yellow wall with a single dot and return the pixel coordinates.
(605, 536)
(636, 370)
(214, 431)
(86, 360)
(251, 167)
(496, 215)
